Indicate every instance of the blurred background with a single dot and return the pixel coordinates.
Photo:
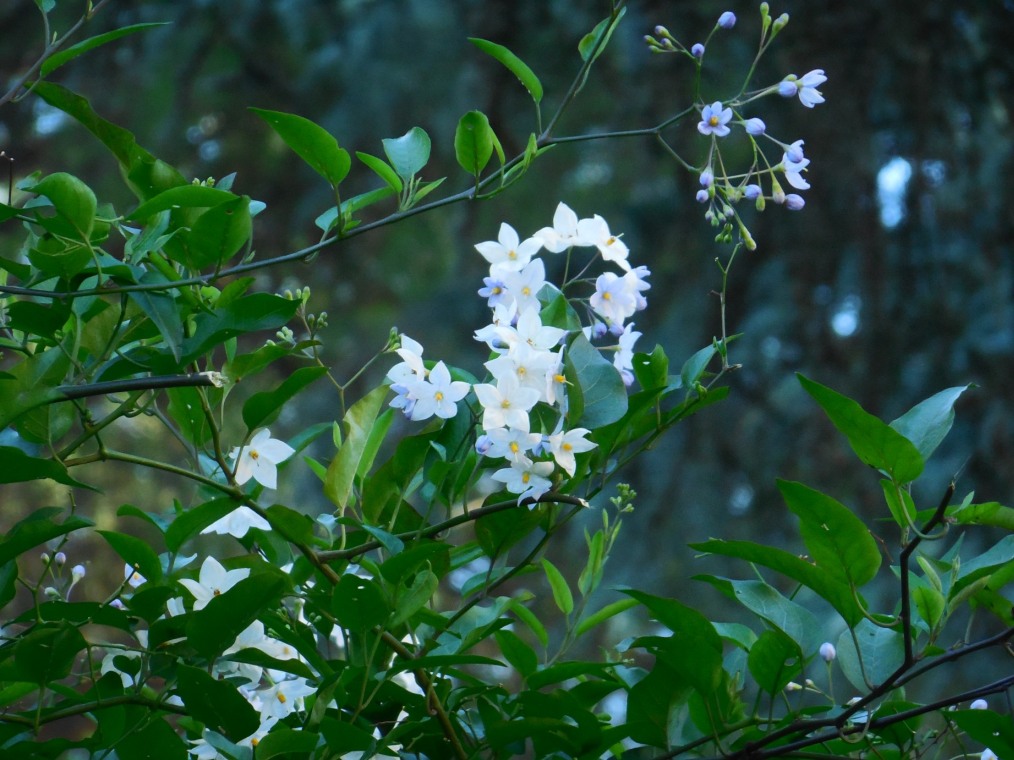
(896, 281)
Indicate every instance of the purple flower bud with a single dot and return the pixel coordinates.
(794, 202)
(794, 152)
(707, 178)
(598, 330)
(697, 50)
(979, 704)
(60, 559)
(727, 20)
(827, 652)
(702, 196)
(117, 604)
(752, 191)
(483, 444)
(616, 328)
(755, 126)
(787, 88)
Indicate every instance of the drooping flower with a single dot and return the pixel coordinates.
(805, 87)
(793, 166)
(595, 231)
(213, 580)
(509, 252)
(624, 359)
(237, 523)
(260, 458)
(715, 120)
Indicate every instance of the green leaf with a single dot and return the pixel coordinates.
(314, 144)
(600, 616)
(987, 727)
(882, 652)
(259, 311)
(217, 704)
(984, 563)
(652, 370)
(61, 57)
(73, 200)
(838, 541)
(691, 632)
(295, 527)
(37, 528)
(409, 153)
(415, 597)
(162, 310)
(987, 513)
(358, 424)
(836, 593)
(135, 552)
(146, 175)
(561, 591)
(499, 531)
(521, 656)
(359, 603)
(382, 169)
(514, 64)
(927, 423)
(774, 660)
(473, 142)
(263, 408)
(184, 196)
(596, 390)
(214, 629)
(589, 46)
(693, 368)
(155, 740)
(47, 652)
(874, 442)
(764, 600)
(287, 742)
(219, 233)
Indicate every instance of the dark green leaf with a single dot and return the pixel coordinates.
(312, 143)
(72, 199)
(55, 61)
(259, 311)
(219, 233)
(136, 553)
(473, 143)
(359, 603)
(837, 540)
(287, 742)
(882, 651)
(652, 370)
(596, 391)
(874, 442)
(183, 196)
(693, 368)
(774, 660)
(382, 169)
(521, 656)
(514, 64)
(161, 309)
(47, 652)
(988, 513)
(415, 597)
(217, 704)
(293, 526)
(155, 740)
(213, 629)
(37, 528)
(263, 408)
(990, 728)
(358, 423)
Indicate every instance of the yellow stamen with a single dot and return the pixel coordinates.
(713, 121)
(438, 396)
(526, 477)
(254, 455)
(282, 698)
(514, 447)
(566, 447)
(526, 291)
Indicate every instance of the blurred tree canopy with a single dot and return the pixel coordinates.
(895, 281)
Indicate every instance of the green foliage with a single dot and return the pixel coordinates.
(423, 614)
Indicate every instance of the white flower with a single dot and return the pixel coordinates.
(827, 652)
(988, 754)
(438, 395)
(715, 120)
(509, 252)
(260, 459)
(212, 581)
(237, 523)
(109, 665)
(283, 697)
(524, 286)
(525, 477)
(506, 404)
(528, 365)
(411, 367)
(530, 330)
(132, 576)
(511, 443)
(624, 359)
(564, 445)
(793, 164)
(613, 299)
(595, 231)
(563, 234)
(805, 87)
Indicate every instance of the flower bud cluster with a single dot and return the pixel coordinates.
(527, 369)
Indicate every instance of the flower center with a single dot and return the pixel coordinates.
(713, 121)
(505, 404)
(438, 396)
(512, 254)
(566, 447)
(526, 291)
(254, 455)
(526, 477)
(514, 447)
(282, 698)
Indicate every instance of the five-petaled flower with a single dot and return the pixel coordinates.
(213, 580)
(715, 120)
(805, 87)
(260, 458)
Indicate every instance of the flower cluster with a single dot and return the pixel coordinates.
(527, 367)
(721, 189)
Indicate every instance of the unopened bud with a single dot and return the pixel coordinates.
(727, 20)
(793, 686)
(51, 593)
(44, 558)
(661, 31)
(828, 652)
(697, 50)
(979, 704)
(77, 573)
(780, 23)
(60, 559)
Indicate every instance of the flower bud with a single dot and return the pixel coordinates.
(828, 652)
(51, 593)
(780, 23)
(793, 686)
(787, 88)
(979, 704)
(707, 178)
(117, 604)
(77, 573)
(697, 50)
(60, 559)
(44, 558)
(702, 196)
(483, 444)
(661, 31)
(752, 192)
(794, 202)
(754, 126)
(727, 20)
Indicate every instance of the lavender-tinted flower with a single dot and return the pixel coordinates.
(715, 120)
(828, 652)
(707, 179)
(752, 192)
(794, 202)
(727, 20)
(702, 196)
(697, 50)
(754, 126)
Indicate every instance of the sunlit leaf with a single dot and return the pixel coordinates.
(514, 64)
(473, 142)
(358, 424)
(409, 153)
(314, 144)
